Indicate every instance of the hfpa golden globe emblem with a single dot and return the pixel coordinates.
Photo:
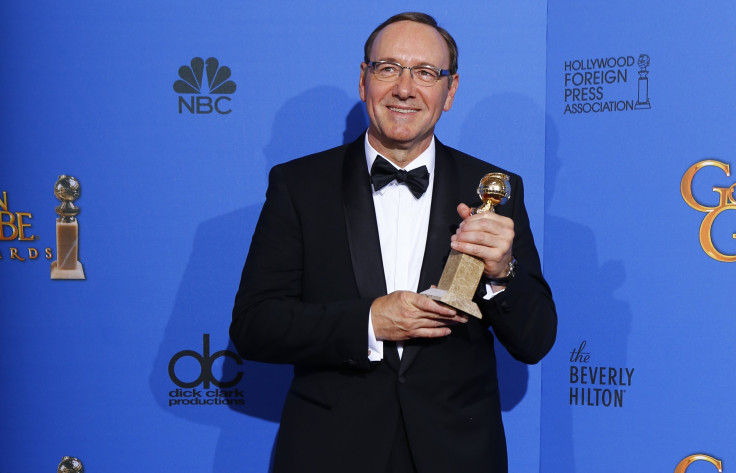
(726, 201)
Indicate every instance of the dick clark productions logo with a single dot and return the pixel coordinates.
(217, 87)
(187, 393)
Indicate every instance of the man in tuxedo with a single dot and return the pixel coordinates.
(386, 379)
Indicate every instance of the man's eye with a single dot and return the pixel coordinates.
(425, 73)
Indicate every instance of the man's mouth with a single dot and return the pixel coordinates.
(403, 110)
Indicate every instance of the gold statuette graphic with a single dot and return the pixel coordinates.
(67, 265)
(70, 465)
(462, 272)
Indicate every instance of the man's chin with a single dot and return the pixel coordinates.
(401, 137)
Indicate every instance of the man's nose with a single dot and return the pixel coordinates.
(405, 86)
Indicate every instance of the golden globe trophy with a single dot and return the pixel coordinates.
(462, 272)
(70, 465)
(642, 101)
(67, 265)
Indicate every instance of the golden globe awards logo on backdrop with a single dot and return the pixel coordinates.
(17, 235)
(204, 98)
(726, 201)
(15, 228)
(689, 460)
(595, 385)
(191, 372)
(606, 84)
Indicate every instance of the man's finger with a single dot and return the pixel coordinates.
(431, 307)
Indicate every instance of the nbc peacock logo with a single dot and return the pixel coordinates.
(217, 83)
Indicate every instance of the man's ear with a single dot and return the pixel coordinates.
(451, 94)
(361, 85)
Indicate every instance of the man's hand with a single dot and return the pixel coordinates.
(402, 315)
(488, 236)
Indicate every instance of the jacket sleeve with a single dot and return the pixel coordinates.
(271, 322)
(523, 316)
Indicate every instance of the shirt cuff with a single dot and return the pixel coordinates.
(375, 347)
(489, 291)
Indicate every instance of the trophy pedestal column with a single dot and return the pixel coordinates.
(67, 266)
(458, 283)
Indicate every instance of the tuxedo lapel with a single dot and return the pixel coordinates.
(443, 221)
(443, 218)
(360, 220)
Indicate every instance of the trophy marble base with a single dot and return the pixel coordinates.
(67, 265)
(75, 273)
(458, 283)
(448, 298)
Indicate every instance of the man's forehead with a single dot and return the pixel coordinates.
(410, 41)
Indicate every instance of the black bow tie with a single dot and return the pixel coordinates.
(383, 172)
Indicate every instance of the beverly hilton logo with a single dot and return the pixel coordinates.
(191, 83)
(606, 84)
(595, 385)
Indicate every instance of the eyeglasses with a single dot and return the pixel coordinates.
(423, 75)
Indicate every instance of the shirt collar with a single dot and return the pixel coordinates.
(424, 159)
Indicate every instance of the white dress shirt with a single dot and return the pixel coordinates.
(402, 230)
(403, 221)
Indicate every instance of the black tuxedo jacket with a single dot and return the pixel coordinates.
(313, 269)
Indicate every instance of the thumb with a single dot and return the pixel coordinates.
(463, 210)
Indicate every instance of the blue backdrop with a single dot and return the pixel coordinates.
(602, 108)
(623, 248)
